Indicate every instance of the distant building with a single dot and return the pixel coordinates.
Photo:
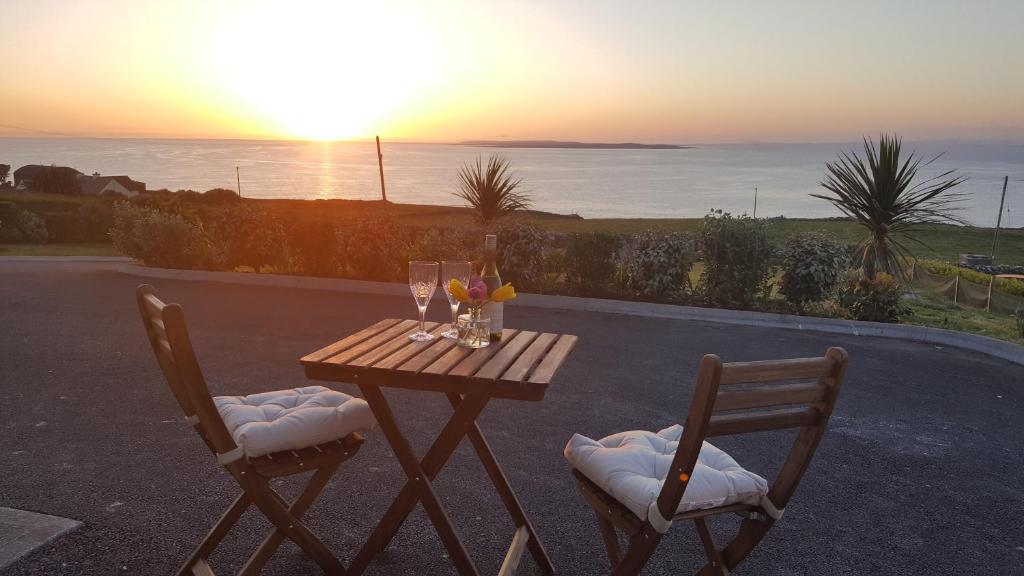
(123, 185)
(24, 177)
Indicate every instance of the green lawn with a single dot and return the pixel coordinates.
(930, 309)
(57, 250)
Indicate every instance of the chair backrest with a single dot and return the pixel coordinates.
(744, 397)
(168, 336)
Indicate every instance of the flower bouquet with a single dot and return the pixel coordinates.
(474, 330)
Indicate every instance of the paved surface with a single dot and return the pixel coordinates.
(920, 472)
(22, 532)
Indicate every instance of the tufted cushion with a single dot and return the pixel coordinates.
(292, 419)
(632, 466)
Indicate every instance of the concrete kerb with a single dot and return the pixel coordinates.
(973, 342)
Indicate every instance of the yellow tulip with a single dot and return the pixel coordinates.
(506, 292)
(458, 290)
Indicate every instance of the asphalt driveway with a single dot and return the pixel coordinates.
(921, 472)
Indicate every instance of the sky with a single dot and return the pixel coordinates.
(590, 70)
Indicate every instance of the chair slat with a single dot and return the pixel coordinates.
(530, 357)
(328, 351)
(762, 421)
(766, 395)
(554, 358)
(153, 305)
(498, 363)
(371, 343)
(776, 370)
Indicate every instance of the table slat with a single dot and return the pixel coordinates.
(549, 365)
(349, 341)
(402, 354)
(478, 357)
(394, 346)
(403, 327)
(530, 357)
(505, 357)
(428, 356)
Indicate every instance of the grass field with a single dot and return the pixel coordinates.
(931, 309)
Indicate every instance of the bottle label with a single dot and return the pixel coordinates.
(495, 311)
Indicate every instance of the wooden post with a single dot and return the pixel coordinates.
(999, 219)
(755, 202)
(238, 179)
(380, 165)
(991, 284)
(913, 271)
(956, 287)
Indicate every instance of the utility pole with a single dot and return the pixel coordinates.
(380, 165)
(755, 202)
(999, 219)
(238, 179)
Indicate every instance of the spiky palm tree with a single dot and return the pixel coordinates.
(490, 190)
(879, 193)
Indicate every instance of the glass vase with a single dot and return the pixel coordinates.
(474, 329)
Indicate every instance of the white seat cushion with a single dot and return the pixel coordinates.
(292, 419)
(632, 466)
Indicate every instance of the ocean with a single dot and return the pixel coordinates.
(592, 183)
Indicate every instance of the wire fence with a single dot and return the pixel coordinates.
(966, 293)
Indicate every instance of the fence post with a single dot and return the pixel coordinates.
(991, 283)
(956, 288)
(913, 272)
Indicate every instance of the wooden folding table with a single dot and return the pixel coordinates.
(518, 367)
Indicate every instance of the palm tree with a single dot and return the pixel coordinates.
(879, 194)
(490, 190)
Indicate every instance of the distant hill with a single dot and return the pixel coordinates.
(559, 144)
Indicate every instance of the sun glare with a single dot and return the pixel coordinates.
(323, 71)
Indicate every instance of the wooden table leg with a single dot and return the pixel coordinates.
(419, 486)
(508, 496)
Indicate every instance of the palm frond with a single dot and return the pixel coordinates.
(491, 190)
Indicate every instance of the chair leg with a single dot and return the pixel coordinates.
(269, 545)
(216, 534)
(715, 562)
(276, 510)
(749, 536)
(611, 539)
(641, 547)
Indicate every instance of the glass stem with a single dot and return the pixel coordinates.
(423, 313)
(455, 314)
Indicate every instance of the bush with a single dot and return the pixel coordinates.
(1007, 285)
(1019, 314)
(313, 249)
(443, 243)
(91, 222)
(812, 264)
(247, 236)
(876, 300)
(522, 255)
(20, 226)
(657, 265)
(220, 196)
(590, 263)
(157, 238)
(737, 253)
(374, 249)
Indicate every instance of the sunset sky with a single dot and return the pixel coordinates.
(572, 70)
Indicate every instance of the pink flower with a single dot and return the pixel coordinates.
(477, 291)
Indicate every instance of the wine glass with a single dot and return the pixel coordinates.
(454, 270)
(422, 282)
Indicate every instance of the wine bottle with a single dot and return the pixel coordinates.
(489, 274)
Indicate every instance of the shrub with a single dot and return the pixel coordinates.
(157, 238)
(657, 265)
(590, 263)
(1007, 285)
(812, 264)
(522, 255)
(20, 226)
(442, 243)
(737, 253)
(374, 249)
(247, 236)
(220, 196)
(313, 247)
(874, 300)
(1019, 313)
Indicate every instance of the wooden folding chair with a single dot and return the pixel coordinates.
(729, 399)
(168, 335)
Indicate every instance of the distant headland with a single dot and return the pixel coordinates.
(559, 144)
